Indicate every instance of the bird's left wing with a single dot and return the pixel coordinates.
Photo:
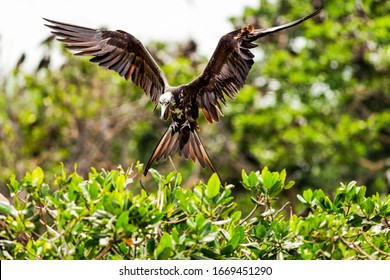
(117, 50)
(226, 72)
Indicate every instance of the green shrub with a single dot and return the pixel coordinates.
(101, 217)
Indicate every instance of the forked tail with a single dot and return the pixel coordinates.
(184, 139)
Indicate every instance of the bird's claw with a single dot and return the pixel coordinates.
(175, 126)
(185, 124)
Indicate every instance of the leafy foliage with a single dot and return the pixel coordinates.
(100, 217)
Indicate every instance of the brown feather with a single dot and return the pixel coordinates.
(117, 50)
(158, 151)
(188, 142)
(226, 72)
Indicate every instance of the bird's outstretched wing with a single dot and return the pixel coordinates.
(117, 50)
(226, 72)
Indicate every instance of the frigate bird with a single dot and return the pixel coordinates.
(224, 75)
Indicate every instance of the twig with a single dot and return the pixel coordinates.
(49, 229)
(142, 186)
(356, 247)
(104, 251)
(43, 219)
(177, 221)
(281, 209)
(134, 251)
(249, 215)
(373, 246)
(170, 159)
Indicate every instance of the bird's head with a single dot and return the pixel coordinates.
(165, 100)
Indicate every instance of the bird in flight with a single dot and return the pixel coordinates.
(223, 76)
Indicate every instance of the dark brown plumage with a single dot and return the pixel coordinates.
(224, 75)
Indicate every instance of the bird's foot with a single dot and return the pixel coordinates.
(185, 124)
(175, 126)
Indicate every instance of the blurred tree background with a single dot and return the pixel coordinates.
(316, 103)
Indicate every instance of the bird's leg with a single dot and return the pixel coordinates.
(170, 159)
(175, 127)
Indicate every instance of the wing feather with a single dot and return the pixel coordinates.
(188, 143)
(228, 68)
(116, 50)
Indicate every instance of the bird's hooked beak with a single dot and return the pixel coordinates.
(164, 107)
(165, 100)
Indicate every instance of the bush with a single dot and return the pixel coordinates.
(101, 217)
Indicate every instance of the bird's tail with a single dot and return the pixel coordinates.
(187, 141)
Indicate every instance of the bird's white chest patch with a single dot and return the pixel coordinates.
(178, 112)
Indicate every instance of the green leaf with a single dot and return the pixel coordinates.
(289, 185)
(275, 189)
(283, 175)
(368, 207)
(227, 250)
(93, 190)
(164, 248)
(8, 209)
(191, 223)
(37, 176)
(237, 238)
(260, 231)
(339, 199)
(170, 176)
(45, 190)
(209, 253)
(308, 195)
(156, 176)
(253, 179)
(178, 180)
(120, 182)
(301, 199)
(122, 220)
(355, 221)
(150, 246)
(328, 203)
(244, 177)
(361, 192)
(213, 186)
(236, 216)
(269, 178)
(384, 210)
(351, 186)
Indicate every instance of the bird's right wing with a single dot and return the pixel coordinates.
(117, 50)
(228, 68)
